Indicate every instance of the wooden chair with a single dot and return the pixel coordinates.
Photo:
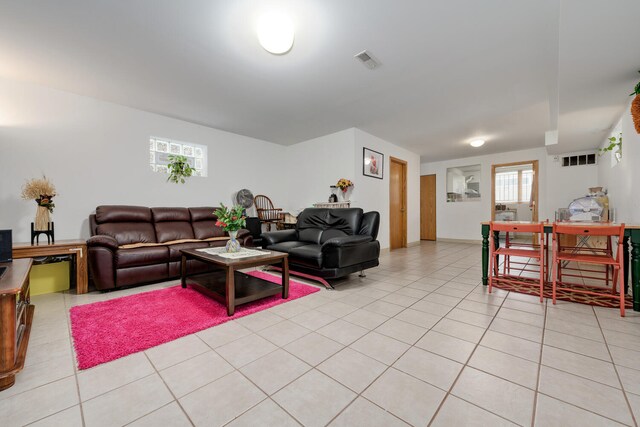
(516, 272)
(266, 212)
(563, 256)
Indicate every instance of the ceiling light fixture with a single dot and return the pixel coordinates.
(275, 33)
(477, 143)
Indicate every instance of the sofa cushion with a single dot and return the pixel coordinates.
(127, 233)
(346, 220)
(286, 246)
(170, 214)
(174, 230)
(310, 235)
(172, 224)
(310, 255)
(331, 233)
(203, 222)
(142, 256)
(122, 213)
(176, 255)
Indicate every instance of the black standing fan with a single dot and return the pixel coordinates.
(244, 198)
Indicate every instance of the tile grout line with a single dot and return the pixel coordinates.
(465, 365)
(615, 368)
(398, 358)
(535, 395)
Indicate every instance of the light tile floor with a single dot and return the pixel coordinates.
(418, 342)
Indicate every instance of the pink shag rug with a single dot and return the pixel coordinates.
(108, 330)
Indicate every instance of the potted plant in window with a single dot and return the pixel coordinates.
(179, 168)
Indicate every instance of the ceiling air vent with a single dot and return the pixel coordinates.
(579, 160)
(367, 59)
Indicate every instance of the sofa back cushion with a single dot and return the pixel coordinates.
(172, 224)
(126, 224)
(203, 222)
(317, 225)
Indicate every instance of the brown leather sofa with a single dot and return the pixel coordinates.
(133, 245)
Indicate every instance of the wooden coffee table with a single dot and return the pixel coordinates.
(230, 286)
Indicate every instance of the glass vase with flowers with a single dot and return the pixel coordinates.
(231, 220)
(344, 185)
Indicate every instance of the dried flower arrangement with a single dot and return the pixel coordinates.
(42, 191)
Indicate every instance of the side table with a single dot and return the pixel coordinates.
(16, 316)
(75, 250)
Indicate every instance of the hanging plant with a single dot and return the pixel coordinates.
(614, 144)
(635, 107)
(179, 169)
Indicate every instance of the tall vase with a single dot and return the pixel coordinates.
(233, 245)
(42, 219)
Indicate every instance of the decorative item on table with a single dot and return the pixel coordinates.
(333, 198)
(231, 220)
(42, 191)
(635, 107)
(344, 185)
(179, 168)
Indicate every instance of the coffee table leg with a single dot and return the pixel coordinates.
(285, 278)
(231, 292)
(183, 271)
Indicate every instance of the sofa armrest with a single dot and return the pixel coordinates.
(346, 241)
(273, 237)
(102, 260)
(244, 237)
(103, 241)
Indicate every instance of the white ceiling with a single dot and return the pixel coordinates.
(452, 70)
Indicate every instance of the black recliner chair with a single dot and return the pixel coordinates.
(329, 243)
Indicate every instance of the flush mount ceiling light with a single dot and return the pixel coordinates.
(477, 143)
(275, 32)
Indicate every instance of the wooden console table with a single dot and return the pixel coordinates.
(76, 250)
(16, 316)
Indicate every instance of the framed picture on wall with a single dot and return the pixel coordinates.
(372, 163)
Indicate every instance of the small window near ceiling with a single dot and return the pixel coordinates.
(161, 148)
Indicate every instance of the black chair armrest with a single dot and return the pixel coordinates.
(273, 237)
(103, 241)
(346, 241)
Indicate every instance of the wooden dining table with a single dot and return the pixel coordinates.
(631, 257)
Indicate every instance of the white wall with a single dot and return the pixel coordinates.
(461, 220)
(97, 153)
(314, 165)
(568, 183)
(372, 194)
(623, 179)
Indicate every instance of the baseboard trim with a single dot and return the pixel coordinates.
(474, 242)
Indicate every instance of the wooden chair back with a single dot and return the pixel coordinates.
(266, 211)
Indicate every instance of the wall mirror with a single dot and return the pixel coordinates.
(463, 183)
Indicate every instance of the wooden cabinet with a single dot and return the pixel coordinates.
(16, 316)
